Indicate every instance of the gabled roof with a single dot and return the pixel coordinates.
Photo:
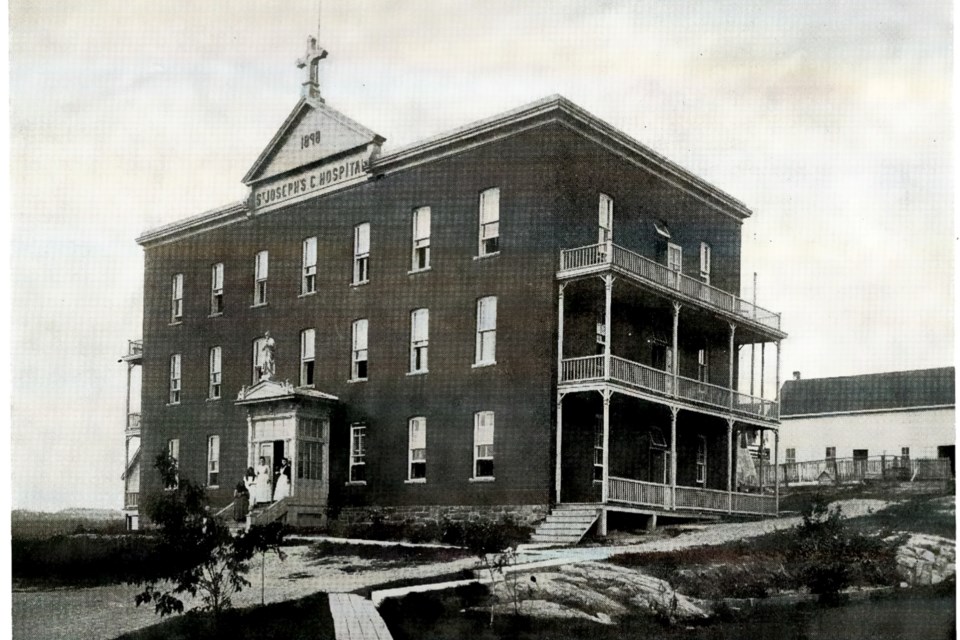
(892, 391)
(273, 390)
(336, 134)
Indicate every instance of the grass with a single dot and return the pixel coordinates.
(917, 514)
(304, 619)
(80, 560)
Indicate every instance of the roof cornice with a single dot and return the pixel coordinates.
(194, 224)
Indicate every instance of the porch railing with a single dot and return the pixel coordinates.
(841, 470)
(634, 374)
(133, 422)
(134, 347)
(582, 258)
(638, 492)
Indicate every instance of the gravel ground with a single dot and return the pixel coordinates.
(106, 612)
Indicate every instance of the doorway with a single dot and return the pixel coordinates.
(273, 453)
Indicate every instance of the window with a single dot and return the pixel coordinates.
(310, 433)
(307, 353)
(705, 262)
(418, 449)
(419, 340)
(361, 253)
(173, 450)
(421, 239)
(175, 379)
(791, 455)
(486, 351)
(216, 289)
(358, 370)
(358, 453)
(601, 332)
(674, 257)
(598, 451)
(215, 373)
(905, 452)
(860, 455)
(261, 271)
(606, 220)
(831, 453)
(258, 357)
(308, 280)
(483, 444)
(176, 298)
(213, 461)
(703, 365)
(701, 460)
(489, 221)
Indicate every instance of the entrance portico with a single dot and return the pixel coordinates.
(290, 422)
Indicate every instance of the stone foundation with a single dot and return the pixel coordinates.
(528, 514)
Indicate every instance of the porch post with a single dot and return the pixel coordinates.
(732, 384)
(250, 452)
(676, 355)
(558, 466)
(776, 472)
(729, 465)
(605, 487)
(763, 433)
(776, 393)
(673, 457)
(607, 319)
(763, 358)
(560, 333)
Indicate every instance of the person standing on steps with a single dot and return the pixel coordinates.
(282, 489)
(241, 502)
(263, 493)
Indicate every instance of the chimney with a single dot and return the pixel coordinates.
(796, 375)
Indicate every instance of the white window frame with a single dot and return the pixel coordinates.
(358, 453)
(489, 216)
(703, 365)
(706, 258)
(417, 449)
(213, 461)
(419, 340)
(790, 455)
(176, 380)
(261, 272)
(214, 387)
(486, 340)
(308, 261)
(359, 353)
(702, 460)
(830, 453)
(605, 221)
(598, 451)
(483, 448)
(905, 452)
(420, 258)
(176, 298)
(173, 450)
(674, 257)
(308, 356)
(258, 344)
(361, 253)
(216, 289)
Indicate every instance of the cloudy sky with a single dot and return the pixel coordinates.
(830, 119)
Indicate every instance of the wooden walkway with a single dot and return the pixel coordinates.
(355, 618)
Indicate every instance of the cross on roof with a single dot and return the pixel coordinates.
(311, 61)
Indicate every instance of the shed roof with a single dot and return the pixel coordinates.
(895, 390)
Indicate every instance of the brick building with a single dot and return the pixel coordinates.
(530, 310)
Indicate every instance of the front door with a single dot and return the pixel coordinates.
(659, 466)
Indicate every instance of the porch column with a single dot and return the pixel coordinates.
(558, 466)
(250, 451)
(607, 320)
(776, 471)
(673, 457)
(676, 355)
(605, 486)
(729, 465)
(776, 393)
(763, 433)
(763, 358)
(560, 333)
(732, 385)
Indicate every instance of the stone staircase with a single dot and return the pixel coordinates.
(566, 524)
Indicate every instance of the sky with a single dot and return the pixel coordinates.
(831, 120)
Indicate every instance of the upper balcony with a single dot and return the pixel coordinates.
(598, 258)
(133, 424)
(134, 352)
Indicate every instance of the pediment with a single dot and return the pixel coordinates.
(267, 391)
(311, 134)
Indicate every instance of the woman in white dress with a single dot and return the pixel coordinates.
(282, 489)
(263, 482)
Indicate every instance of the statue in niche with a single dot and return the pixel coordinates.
(268, 365)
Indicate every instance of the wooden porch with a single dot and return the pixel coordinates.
(688, 499)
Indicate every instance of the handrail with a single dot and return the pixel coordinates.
(639, 492)
(647, 269)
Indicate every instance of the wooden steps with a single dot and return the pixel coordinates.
(566, 524)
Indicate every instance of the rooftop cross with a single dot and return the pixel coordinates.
(311, 62)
